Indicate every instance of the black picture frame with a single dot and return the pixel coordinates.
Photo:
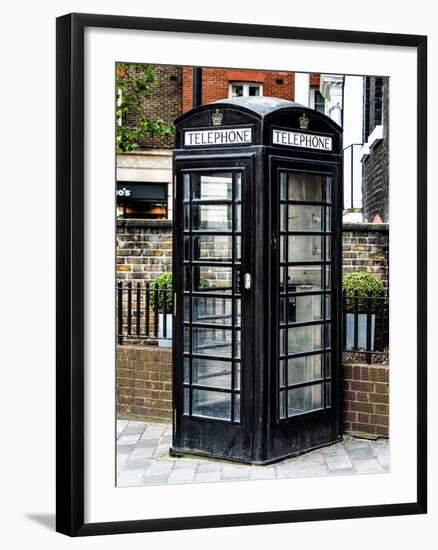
(70, 273)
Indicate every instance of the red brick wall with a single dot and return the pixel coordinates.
(144, 382)
(144, 390)
(366, 399)
(215, 83)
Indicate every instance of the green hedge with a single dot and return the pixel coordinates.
(164, 283)
(361, 282)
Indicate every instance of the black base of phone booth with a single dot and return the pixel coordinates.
(257, 272)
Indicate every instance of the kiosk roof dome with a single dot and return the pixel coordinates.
(262, 105)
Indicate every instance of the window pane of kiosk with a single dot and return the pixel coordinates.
(212, 247)
(211, 404)
(212, 187)
(304, 369)
(208, 372)
(304, 187)
(212, 311)
(303, 217)
(304, 248)
(302, 339)
(298, 309)
(211, 341)
(304, 279)
(237, 407)
(212, 279)
(305, 399)
(211, 217)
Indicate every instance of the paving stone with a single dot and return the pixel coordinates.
(143, 459)
(367, 467)
(137, 464)
(208, 477)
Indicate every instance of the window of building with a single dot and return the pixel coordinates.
(244, 89)
(142, 200)
(319, 102)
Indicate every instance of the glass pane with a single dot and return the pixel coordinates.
(186, 401)
(238, 251)
(186, 187)
(207, 372)
(186, 308)
(328, 394)
(305, 187)
(304, 369)
(236, 90)
(212, 278)
(212, 247)
(217, 187)
(304, 248)
(236, 375)
(303, 217)
(254, 90)
(282, 404)
(281, 373)
(211, 217)
(328, 218)
(209, 341)
(214, 311)
(283, 186)
(237, 407)
(237, 344)
(238, 222)
(328, 366)
(238, 186)
(297, 309)
(328, 251)
(328, 306)
(282, 341)
(186, 370)
(301, 400)
(187, 339)
(211, 404)
(304, 279)
(301, 339)
(328, 189)
(238, 312)
(283, 217)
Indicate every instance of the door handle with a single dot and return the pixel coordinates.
(247, 281)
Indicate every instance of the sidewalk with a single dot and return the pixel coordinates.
(143, 459)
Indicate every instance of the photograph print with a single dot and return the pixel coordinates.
(252, 274)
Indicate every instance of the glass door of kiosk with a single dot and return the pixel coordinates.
(304, 292)
(213, 226)
(304, 267)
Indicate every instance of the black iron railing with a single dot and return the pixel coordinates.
(143, 312)
(366, 325)
(144, 315)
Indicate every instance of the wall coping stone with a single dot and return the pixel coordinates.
(134, 222)
(365, 226)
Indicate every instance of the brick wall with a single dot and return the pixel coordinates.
(365, 247)
(375, 181)
(144, 390)
(215, 83)
(165, 103)
(365, 399)
(144, 249)
(144, 382)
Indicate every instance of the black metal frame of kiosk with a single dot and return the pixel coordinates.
(257, 271)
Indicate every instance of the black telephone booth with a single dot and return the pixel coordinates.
(257, 271)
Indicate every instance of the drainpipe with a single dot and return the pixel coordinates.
(196, 86)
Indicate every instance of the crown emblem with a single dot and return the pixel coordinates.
(304, 122)
(216, 118)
